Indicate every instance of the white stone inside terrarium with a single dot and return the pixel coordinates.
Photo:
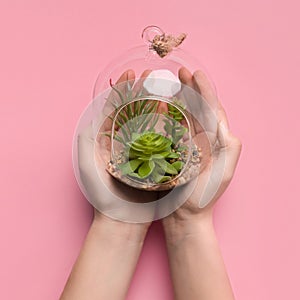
(163, 83)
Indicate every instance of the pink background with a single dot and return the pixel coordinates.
(51, 52)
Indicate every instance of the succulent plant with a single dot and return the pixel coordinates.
(174, 112)
(173, 127)
(149, 157)
(135, 117)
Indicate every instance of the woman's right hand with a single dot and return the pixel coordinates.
(219, 165)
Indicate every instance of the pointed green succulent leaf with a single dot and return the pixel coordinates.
(159, 178)
(146, 169)
(156, 175)
(178, 165)
(161, 155)
(130, 166)
(135, 136)
(167, 167)
(182, 148)
(135, 175)
(173, 155)
(165, 178)
(174, 112)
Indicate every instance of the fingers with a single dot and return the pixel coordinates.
(225, 137)
(138, 87)
(185, 76)
(127, 76)
(222, 116)
(190, 97)
(121, 84)
(222, 167)
(204, 87)
(103, 191)
(230, 150)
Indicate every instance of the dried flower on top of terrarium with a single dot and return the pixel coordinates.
(164, 44)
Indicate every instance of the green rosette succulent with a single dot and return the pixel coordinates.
(149, 156)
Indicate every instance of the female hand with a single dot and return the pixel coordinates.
(107, 195)
(196, 263)
(111, 250)
(219, 159)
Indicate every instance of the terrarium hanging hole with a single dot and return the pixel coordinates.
(150, 32)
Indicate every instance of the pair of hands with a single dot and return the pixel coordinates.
(111, 250)
(220, 164)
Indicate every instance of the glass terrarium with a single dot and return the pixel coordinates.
(151, 127)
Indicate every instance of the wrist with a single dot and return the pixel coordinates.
(179, 229)
(118, 230)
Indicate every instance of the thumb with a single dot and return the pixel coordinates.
(230, 147)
